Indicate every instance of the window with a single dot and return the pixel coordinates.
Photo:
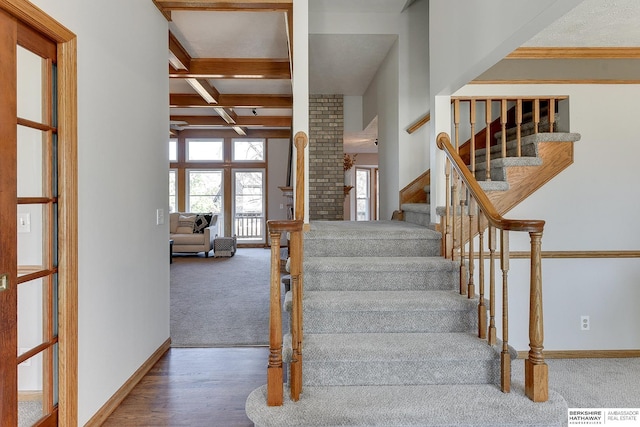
(173, 202)
(173, 150)
(363, 202)
(204, 191)
(247, 150)
(199, 150)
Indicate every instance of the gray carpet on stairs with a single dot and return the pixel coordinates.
(389, 342)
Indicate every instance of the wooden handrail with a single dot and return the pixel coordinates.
(464, 203)
(419, 123)
(296, 247)
(495, 219)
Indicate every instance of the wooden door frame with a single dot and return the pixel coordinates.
(67, 202)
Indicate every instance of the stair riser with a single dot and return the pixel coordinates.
(381, 281)
(497, 174)
(326, 322)
(527, 150)
(418, 218)
(424, 372)
(371, 247)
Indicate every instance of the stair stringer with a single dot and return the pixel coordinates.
(525, 180)
(556, 152)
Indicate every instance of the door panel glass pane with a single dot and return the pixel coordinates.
(32, 238)
(30, 316)
(30, 79)
(32, 171)
(30, 390)
(362, 194)
(249, 205)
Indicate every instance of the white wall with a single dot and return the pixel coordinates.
(414, 100)
(591, 206)
(382, 99)
(123, 260)
(469, 37)
(277, 156)
(399, 96)
(466, 39)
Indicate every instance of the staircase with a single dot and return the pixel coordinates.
(389, 342)
(513, 179)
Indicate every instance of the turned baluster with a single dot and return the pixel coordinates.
(552, 114)
(487, 141)
(472, 150)
(536, 372)
(503, 125)
(454, 205)
(519, 127)
(536, 114)
(505, 357)
(456, 123)
(471, 290)
(448, 243)
(492, 338)
(296, 312)
(482, 308)
(463, 267)
(274, 368)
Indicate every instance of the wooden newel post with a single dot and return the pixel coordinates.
(536, 371)
(274, 368)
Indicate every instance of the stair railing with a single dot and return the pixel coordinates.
(275, 378)
(465, 199)
(500, 114)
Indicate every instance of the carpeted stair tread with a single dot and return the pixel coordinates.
(371, 301)
(380, 273)
(400, 347)
(378, 264)
(388, 311)
(370, 238)
(398, 358)
(366, 230)
(427, 406)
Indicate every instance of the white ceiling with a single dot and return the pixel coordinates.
(594, 23)
(346, 63)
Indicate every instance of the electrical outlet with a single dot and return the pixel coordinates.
(585, 323)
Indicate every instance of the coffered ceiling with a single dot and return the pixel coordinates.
(230, 61)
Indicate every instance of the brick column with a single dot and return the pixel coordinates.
(326, 171)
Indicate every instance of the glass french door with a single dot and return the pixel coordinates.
(249, 205)
(28, 213)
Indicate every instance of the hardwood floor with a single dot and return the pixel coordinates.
(195, 387)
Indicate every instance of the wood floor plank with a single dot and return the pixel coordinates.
(195, 387)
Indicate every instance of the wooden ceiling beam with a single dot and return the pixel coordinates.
(232, 101)
(166, 6)
(178, 55)
(266, 121)
(235, 68)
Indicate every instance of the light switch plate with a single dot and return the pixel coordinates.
(24, 222)
(159, 216)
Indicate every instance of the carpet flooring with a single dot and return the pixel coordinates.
(220, 302)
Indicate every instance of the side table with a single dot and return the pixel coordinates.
(170, 251)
